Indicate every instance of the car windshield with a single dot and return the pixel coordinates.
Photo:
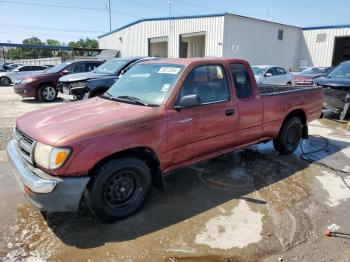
(314, 71)
(341, 71)
(147, 84)
(258, 70)
(58, 68)
(111, 67)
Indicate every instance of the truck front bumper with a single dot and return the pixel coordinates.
(48, 193)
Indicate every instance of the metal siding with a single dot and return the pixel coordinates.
(320, 54)
(258, 41)
(135, 38)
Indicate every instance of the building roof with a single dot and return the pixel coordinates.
(161, 19)
(187, 17)
(327, 27)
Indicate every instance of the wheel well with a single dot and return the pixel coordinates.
(5, 77)
(146, 155)
(302, 116)
(98, 90)
(47, 83)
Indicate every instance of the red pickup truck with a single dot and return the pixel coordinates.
(159, 116)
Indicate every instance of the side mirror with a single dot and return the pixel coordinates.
(190, 101)
(268, 75)
(65, 72)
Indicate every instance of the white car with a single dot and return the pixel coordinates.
(8, 78)
(272, 75)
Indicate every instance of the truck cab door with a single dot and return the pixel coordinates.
(207, 128)
(249, 102)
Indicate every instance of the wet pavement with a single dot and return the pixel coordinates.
(250, 205)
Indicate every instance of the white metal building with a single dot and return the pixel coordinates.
(230, 35)
(325, 46)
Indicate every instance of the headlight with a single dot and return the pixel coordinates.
(50, 157)
(28, 80)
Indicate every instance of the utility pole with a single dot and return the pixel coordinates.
(170, 26)
(110, 15)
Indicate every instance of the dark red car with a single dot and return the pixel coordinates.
(44, 85)
(305, 78)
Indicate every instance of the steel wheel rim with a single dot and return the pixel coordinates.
(292, 138)
(121, 189)
(49, 93)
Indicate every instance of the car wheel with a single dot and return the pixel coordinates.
(5, 81)
(289, 83)
(289, 137)
(47, 93)
(118, 188)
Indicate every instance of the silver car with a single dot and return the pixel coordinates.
(8, 78)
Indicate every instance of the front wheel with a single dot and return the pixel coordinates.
(5, 81)
(118, 188)
(47, 93)
(289, 137)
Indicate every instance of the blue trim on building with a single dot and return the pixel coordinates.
(326, 27)
(161, 19)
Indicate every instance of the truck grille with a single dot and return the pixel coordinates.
(25, 145)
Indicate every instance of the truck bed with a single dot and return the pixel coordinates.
(268, 90)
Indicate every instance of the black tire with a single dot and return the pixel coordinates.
(47, 93)
(118, 188)
(289, 83)
(289, 137)
(5, 81)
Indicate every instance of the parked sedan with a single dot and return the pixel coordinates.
(99, 86)
(75, 85)
(336, 86)
(44, 85)
(272, 75)
(306, 78)
(8, 78)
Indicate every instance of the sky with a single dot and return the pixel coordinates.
(70, 20)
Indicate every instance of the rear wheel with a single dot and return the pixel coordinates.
(118, 188)
(289, 137)
(5, 81)
(47, 93)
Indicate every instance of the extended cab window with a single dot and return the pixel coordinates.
(241, 80)
(208, 82)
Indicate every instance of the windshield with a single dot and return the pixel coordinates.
(257, 70)
(149, 83)
(314, 71)
(111, 67)
(58, 68)
(341, 71)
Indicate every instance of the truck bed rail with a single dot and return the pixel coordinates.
(268, 90)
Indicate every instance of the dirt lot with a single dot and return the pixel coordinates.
(251, 205)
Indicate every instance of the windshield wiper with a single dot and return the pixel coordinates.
(133, 100)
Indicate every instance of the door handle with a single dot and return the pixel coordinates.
(229, 112)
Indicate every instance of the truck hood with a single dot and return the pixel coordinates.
(81, 77)
(82, 120)
(333, 82)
